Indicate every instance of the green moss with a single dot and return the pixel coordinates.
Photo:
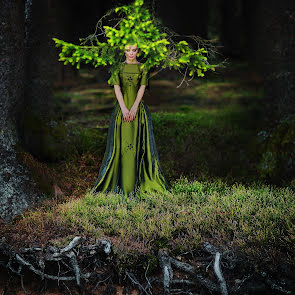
(246, 216)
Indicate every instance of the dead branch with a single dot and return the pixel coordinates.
(21, 261)
(30, 250)
(211, 249)
(22, 284)
(74, 261)
(165, 264)
(177, 281)
(135, 281)
(75, 242)
(75, 266)
(273, 285)
(56, 255)
(98, 283)
(229, 257)
(184, 282)
(192, 271)
(6, 286)
(219, 275)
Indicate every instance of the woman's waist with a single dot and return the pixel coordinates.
(130, 97)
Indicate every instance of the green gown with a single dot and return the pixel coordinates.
(131, 160)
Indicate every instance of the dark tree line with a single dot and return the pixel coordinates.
(262, 31)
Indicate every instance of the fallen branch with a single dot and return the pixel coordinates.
(56, 255)
(21, 261)
(75, 266)
(99, 282)
(192, 271)
(273, 285)
(75, 242)
(135, 281)
(80, 263)
(219, 275)
(177, 281)
(211, 249)
(165, 264)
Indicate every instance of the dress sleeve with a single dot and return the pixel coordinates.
(116, 80)
(144, 77)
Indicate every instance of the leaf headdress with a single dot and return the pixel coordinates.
(135, 25)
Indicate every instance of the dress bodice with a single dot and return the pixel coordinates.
(130, 77)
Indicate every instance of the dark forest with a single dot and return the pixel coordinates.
(226, 142)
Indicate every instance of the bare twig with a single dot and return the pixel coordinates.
(211, 249)
(75, 242)
(75, 266)
(191, 270)
(30, 250)
(148, 286)
(21, 261)
(166, 269)
(6, 286)
(99, 282)
(237, 288)
(177, 281)
(67, 288)
(22, 284)
(134, 280)
(273, 285)
(219, 275)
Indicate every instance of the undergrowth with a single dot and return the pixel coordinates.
(249, 218)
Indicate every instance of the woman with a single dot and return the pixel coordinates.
(131, 161)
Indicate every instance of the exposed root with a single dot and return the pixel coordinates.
(219, 275)
(192, 271)
(131, 276)
(165, 264)
(91, 265)
(273, 285)
(213, 250)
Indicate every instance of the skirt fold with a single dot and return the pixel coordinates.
(131, 160)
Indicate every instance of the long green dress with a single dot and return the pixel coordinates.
(131, 161)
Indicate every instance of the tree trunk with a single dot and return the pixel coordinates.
(17, 190)
(43, 137)
(278, 39)
(252, 25)
(232, 35)
(40, 56)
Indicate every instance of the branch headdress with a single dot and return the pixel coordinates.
(135, 25)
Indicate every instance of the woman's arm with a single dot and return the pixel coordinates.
(139, 96)
(121, 102)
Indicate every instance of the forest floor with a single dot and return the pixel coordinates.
(206, 138)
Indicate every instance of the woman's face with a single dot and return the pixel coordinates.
(131, 52)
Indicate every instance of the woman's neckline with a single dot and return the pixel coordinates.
(131, 64)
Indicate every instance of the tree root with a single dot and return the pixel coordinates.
(69, 263)
(165, 263)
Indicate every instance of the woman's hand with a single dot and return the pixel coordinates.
(126, 114)
(133, 111)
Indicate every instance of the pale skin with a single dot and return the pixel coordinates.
(129, 115)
